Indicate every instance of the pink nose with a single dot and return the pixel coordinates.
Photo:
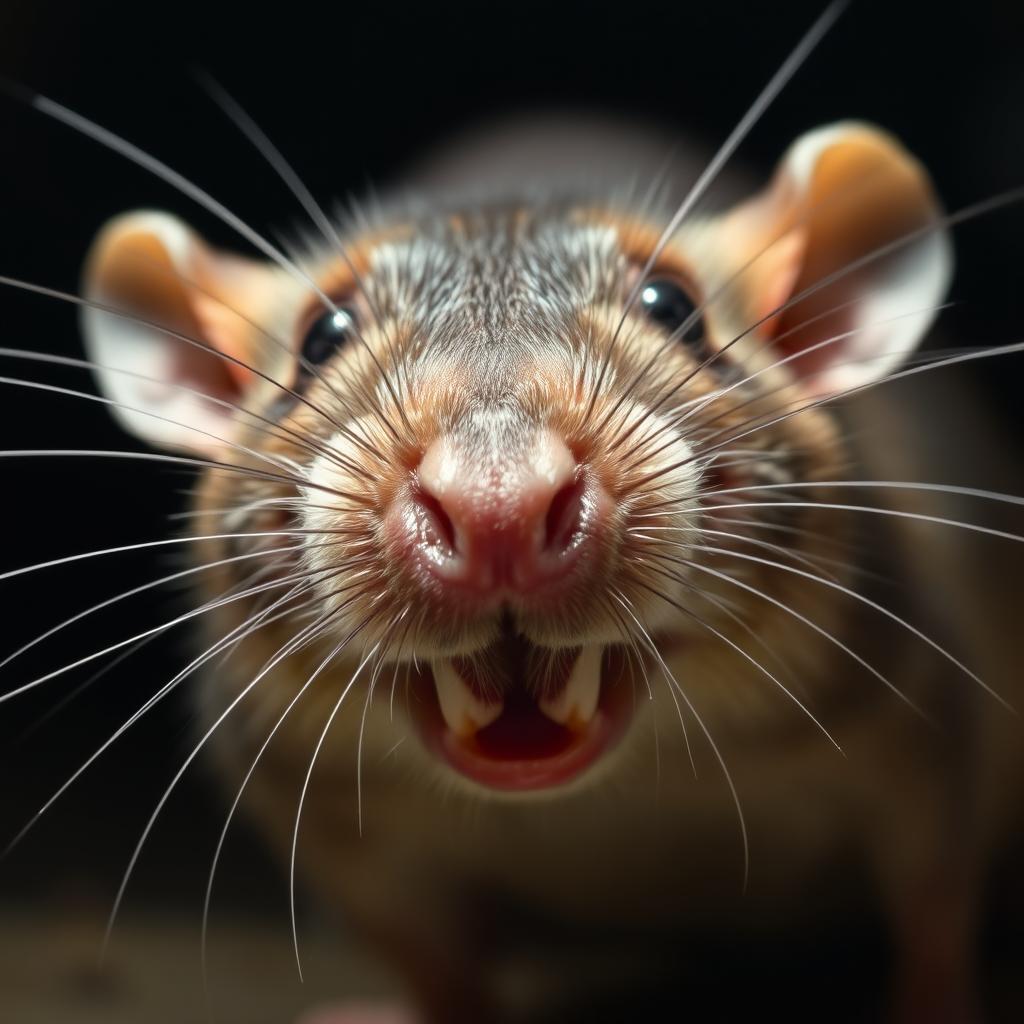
(512, 525)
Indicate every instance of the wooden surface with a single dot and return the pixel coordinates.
(49, 974)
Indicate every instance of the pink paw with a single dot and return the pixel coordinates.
(360, 1013)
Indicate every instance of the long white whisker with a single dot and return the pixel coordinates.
(392, 625)
(122, 548)
(35, 385)
(632, 640)
(279, 656)
(836, 506)
(83, 303)
(753, 661)
(177, 181)
(818, 346)
(898, 485)
(810, 623)
(653, 648)
(243, 629)
(178, 460)
(692, 408)
(123, 595)
(262, 423)
(287, 173)
(964, 357)
(775, 85)
(888, 613)
(302, 799)
(184, 617)
(336, 650)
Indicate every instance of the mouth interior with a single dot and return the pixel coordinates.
(523, 732)
(529, 724)
(518, 717)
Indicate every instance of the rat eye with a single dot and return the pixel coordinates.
(667, 303)
(327, 334)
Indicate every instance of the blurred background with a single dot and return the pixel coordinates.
(352, 94)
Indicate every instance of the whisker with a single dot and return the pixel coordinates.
(398, 663)
(362, 721)
(283, 652)
(984, 353)
(184, 617)
(836, 506)
(818, 346)
(61, 704)
(180, 460)
(244, 122)
(721, 605)
(53, 710)
(888, 613)
(143, 545)
(34, 385)
(394, 746)
(633, 648)
(265, 425)
(775, 85)
(653, 648)
(159, 169)
(779, 549)
(692, 409)
(899, 485)
(302, 798)
(744, 654)
(810, 623)
(335, 651)
(84, 303)
(242, 629)
(650, 691)
(134, 591)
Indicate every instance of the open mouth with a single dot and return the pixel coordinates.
(516, 717)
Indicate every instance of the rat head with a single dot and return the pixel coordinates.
(488, 453)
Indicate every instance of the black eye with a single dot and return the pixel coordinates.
(327, 334)
(667, 303)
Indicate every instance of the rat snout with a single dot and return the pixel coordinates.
(500, 522)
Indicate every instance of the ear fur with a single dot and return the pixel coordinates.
(839, 193)
(152, 266)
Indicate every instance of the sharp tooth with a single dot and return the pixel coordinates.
(463, 710)
(576, 703)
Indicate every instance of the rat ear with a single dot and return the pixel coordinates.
(152, 266)
(840, 193)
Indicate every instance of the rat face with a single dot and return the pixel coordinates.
(486, 458)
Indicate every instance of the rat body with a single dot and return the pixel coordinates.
(568, 572)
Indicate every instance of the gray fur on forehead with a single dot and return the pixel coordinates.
(499, 276)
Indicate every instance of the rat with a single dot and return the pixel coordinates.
(544, 529)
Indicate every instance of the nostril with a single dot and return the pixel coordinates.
(436, 526)
(563, 517)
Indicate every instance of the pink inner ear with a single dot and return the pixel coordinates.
(816, 324)
(204, 371)
(220, 328)
(789, 330)
(785, 259)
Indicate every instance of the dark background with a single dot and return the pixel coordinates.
(351, 92)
